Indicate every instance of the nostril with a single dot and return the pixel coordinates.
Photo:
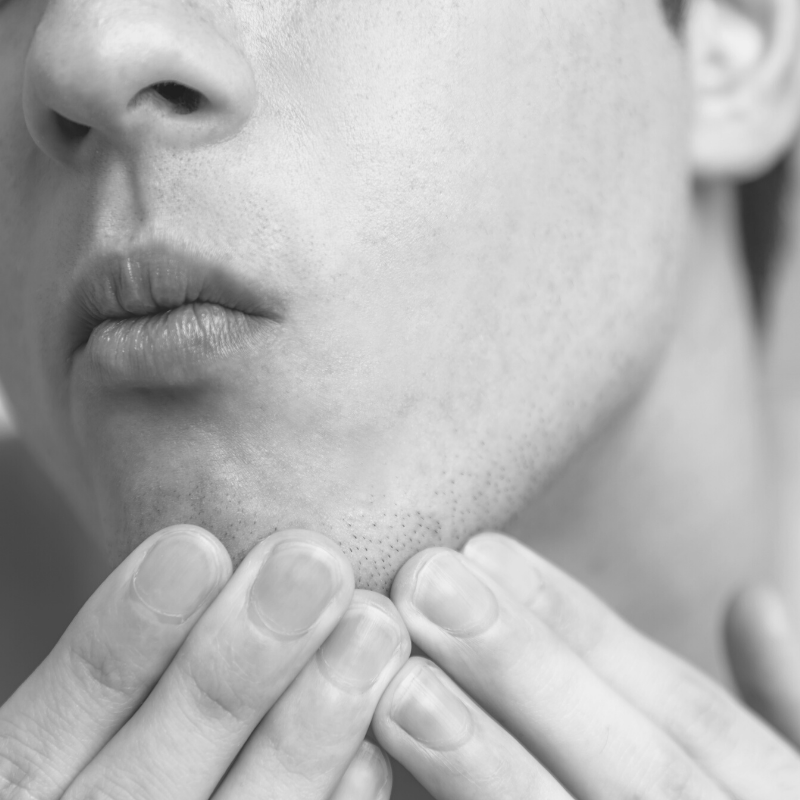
(69, 130)
(184, 99)
(130, 81)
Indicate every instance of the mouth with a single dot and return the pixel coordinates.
(163, 315)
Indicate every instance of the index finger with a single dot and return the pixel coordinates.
(108, 660)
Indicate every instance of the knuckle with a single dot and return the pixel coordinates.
(582, 625)
(494, 778)
(217, 691)
(702, 713)
(672, 777)
(22, 771)
(505, 771)
(17, 780)
(96, 661)
(302, 768)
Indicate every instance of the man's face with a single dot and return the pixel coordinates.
(463, 221)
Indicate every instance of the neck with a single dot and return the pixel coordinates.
(665, 514)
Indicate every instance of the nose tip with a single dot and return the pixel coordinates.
(161, 75)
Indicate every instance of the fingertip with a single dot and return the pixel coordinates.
(376, 762)
(215, 546)
(756, 612)
(497, 553)
(385, 605)
(764, 656)
(369, 644)
(367, 777)
(406, 578)
(422, 708)
(487, 541)
(180, 571)
(205, 539)
(519, 571)
(326, 543)
(382, 727)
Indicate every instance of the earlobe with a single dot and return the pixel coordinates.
(744, 57)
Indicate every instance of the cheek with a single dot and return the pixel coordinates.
(496, 219)
(506, 240)
(476, 251)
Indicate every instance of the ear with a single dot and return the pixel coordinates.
(744, 57)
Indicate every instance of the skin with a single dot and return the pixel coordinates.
(547, 661)
(762, 625)
(784, 386)
(365, 213)
(599, 347)
(570, 698)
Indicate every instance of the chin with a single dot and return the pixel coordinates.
(377, 527)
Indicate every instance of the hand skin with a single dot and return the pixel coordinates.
(764, 653)
(539, 690)
(577, 704)
(175, 667)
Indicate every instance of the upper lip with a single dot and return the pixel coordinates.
(152, 277)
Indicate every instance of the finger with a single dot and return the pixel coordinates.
(302, 748)
(590, 738)
(367, 777)
(276, 610)
(108, 660)
(452, 747)
(764, 655)
(730, 743)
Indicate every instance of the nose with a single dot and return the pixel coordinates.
(130, 71)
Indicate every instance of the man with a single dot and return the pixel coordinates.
(395, 276)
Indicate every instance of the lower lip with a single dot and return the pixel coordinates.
(171, 348)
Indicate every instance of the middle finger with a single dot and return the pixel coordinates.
(302, 748)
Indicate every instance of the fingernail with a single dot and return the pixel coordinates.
(293, 587)
(450, 596)
(361, 646)
(176, 576)
(429, 712)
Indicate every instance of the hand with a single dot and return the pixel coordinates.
(548, 694)
(764, 653)
(178, 681)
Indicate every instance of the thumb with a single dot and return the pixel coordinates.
(764, 654)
